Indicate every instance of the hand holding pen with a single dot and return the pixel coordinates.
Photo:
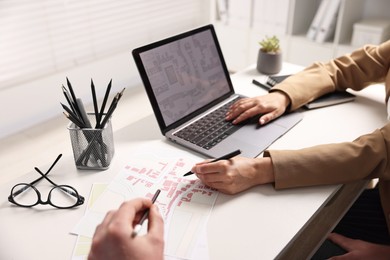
(113, 237)
(138, 227)
(224, 157)
(236, 174)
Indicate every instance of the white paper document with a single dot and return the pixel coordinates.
(184, 202)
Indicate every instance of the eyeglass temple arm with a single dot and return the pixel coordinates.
(16, 193)
(47, 172)
(63, 189)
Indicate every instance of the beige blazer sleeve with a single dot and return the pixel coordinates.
(366, 157)
(356, 71)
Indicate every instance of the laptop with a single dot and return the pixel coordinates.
(190, 90)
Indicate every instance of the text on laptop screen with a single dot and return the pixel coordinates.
(185, 75)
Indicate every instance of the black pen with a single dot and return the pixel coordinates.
(138, 227)
(263, 86)
(225, 157)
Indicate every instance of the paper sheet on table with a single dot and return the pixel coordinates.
(83, 243)
(185, 203)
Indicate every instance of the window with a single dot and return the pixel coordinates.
(41, 37)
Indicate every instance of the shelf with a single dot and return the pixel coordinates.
(291, 23)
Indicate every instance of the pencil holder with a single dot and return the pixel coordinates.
(93, 149)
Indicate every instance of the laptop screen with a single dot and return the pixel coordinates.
(185, 74)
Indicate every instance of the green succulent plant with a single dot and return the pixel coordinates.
(270, 44)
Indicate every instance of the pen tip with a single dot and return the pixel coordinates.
(188, 173)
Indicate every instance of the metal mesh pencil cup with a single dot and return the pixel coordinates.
(93, 149)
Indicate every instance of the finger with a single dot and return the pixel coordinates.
(204, 162)
(124, 217)
(155, 222)
(246, 115)
(193, 169)
(269, 117)
(108, 217)
(239, 103)
(100, 229)
(344, 242)
(210, 167)
(239, 108)
(341, 257)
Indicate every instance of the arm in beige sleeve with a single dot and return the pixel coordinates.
(357, 70)
(366, 157)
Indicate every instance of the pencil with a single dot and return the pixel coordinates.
(138, 227)
(77, 110)
(224, 157)
(111, 109)
(74, 120)
(68, 99)
(80, 123)
(95, 105)
(103, 104)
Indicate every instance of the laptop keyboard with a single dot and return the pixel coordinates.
(209, 130)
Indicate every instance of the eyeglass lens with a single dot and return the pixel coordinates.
(24, 195)
(62, 196)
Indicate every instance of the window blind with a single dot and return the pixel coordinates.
(41, 37)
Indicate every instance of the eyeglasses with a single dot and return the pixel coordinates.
(61, 196)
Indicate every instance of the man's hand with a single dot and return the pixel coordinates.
(358, 249)
(113, 237)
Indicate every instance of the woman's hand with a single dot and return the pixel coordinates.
(270, 106)
(235, 175)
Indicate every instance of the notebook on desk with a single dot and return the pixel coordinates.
(189, 88)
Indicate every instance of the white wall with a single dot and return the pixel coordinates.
(37, 100)
(32, 102)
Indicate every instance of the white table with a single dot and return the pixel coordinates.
(256, 224)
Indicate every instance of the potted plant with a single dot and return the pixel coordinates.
(269, 60)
